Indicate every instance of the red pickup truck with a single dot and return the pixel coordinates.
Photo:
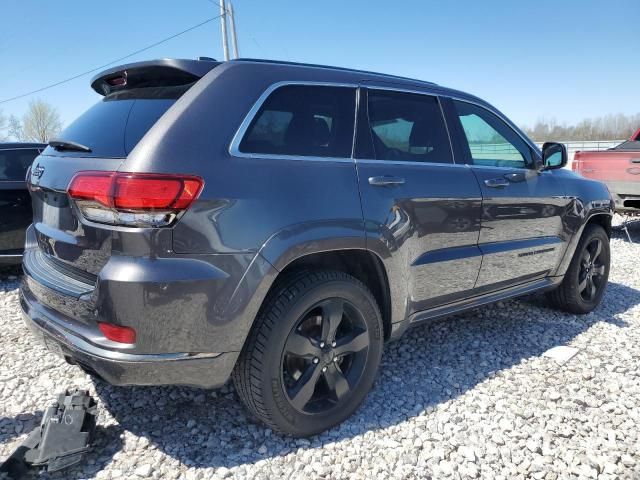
(619, 168)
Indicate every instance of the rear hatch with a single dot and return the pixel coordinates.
(135, 97)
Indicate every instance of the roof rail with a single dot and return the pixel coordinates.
(342, 69)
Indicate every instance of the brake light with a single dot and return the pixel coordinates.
(133, 199)
(116, 333)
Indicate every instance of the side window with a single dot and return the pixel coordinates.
(491, 141)
(302, 120)
(408, 127)
(14, 164)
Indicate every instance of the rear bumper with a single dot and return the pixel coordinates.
(209, 370)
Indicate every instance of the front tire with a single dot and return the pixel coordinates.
(313, 353)
(586, 279)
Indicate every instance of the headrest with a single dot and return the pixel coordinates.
(421, 134)
(321, 132)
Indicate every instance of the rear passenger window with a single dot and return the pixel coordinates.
(408, 127)
(14, 164)
(491, 141)
(303, 120)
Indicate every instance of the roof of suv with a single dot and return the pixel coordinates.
(329, 67)
(186, 70)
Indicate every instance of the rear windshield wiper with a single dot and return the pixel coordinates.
(64, 145)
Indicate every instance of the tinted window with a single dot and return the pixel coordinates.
(115, 125)
(304, 121)
(409, 127)
(14, 164)
(491, 141)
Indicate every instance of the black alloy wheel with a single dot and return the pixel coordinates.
(586, 277)
(313, 353)
(592, 270)
(324, 356)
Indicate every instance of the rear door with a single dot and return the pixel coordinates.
(15, 203)
(522, 235)
(421, 210)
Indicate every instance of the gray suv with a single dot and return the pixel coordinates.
(276, 223)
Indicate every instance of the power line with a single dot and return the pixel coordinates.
(112, 62)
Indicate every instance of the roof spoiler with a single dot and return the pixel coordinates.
(166, 72)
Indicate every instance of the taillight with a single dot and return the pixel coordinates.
(117, 333)
(133, 199)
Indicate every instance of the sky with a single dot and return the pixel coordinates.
(555, 59)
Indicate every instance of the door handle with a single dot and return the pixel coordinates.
(635, 160)
(385, 181)
(497, 182)
(588, 170)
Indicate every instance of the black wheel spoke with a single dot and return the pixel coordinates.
(583, 284)
(302, 346)
(596, 251)
(598, 270)
(592, 289)
(352, 343)
(304, 388)
(336, 382)
(332, 313)
(325, 355)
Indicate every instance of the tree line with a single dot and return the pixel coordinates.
(607, 127)
(42, 122)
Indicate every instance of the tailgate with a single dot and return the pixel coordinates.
(58, 231)
(620, 170)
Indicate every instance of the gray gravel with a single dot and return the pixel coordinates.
(467, 397)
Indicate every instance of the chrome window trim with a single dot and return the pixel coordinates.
(371, 161)
(19, 148)
(234, 147)
(234, 150)
(461, 99)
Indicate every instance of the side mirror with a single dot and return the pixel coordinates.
(554, 155)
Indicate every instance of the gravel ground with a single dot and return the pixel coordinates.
(467, 397)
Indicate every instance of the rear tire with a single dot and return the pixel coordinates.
(586, 279)
(313, 353)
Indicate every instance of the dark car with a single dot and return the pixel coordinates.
(277, 223)
(15, 202)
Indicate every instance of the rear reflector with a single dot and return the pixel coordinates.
(116, 333)
(134, 199)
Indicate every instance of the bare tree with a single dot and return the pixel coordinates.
(15, 129)
(3, 127)
(41, 122)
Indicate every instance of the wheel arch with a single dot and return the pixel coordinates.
(360, 263)
(601, 218)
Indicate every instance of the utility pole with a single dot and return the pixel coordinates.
(223, 24)
(234, 38)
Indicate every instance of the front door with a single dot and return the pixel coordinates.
(521, 236)
(421, 210)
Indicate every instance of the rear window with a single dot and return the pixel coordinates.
(312, 121)
(14, 164)
(115, 125)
